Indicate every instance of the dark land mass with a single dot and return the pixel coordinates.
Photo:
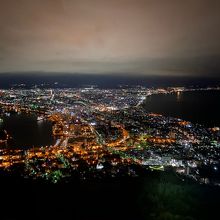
(58, 80)
(155, 195)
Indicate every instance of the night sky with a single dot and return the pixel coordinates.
(149, 37)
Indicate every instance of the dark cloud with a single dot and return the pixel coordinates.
(101, 36)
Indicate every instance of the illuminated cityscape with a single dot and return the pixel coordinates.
(107, 133)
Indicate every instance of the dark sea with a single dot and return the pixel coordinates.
(202, 107)
(26, 132)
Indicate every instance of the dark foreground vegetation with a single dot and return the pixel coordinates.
(156, 195)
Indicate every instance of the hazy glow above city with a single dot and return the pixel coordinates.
(119, 36)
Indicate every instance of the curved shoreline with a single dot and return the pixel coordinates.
(35, 128)
(180, 104)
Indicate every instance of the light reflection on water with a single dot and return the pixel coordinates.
(201, 107)
(26, 131)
